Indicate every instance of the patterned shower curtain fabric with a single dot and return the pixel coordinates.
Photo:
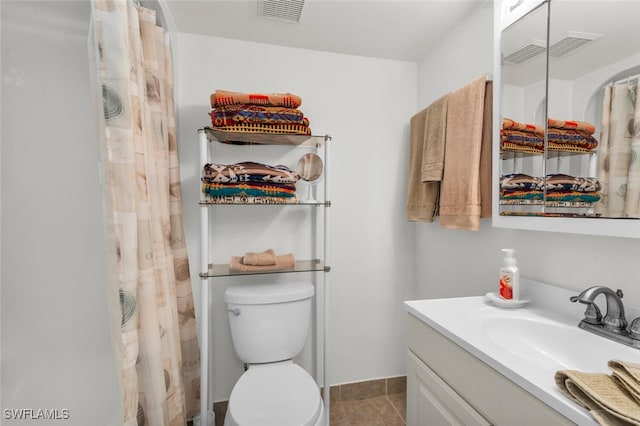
(618, 160)
(160, 358)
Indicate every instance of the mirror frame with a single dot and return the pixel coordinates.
(629, 228)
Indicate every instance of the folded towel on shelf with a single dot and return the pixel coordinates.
(282, 262)
(460, 198)
(600, 393)
(426, 161)
(267, 257)
(571, 125)
(225, 97)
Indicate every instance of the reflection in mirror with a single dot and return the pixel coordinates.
(594, 64)
(310, 168)
(590, 120)
(523, 88)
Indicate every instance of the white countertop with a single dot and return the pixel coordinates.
(464, 321)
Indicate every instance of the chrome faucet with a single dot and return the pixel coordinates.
(614, 324)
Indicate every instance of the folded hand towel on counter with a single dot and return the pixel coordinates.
(282, 262)
(608, 403)
(460, 197)
(426, 161)
(628, 375)
(267, 257)
(225, 97)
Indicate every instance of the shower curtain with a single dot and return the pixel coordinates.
(618, 159)
(155, 341)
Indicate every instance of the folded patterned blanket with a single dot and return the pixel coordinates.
(566, 183)
(273, 128)
(520, 182)
(245, 199)
(518, 140)
(250, 189)
(509, 124)
(555, 183)
(228, 115)
(225, 97)
(248, 171)
(585, 197)
(571, 125)
(571, 140)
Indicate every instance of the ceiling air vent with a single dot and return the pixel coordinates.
(525, 53)
(571, 41)
(282, 10)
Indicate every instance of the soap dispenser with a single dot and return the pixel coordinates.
(509, 277)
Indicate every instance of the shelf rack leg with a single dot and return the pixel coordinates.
(204, 294)
(325, 334)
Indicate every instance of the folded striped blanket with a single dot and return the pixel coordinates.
(225, 97)
(518, 140)
(248, 171)
(571, 125)
(228, 115)
(250, 189)
(244, 199)
(510, 124)
(555, 183)
(289, 129)
(570, 140)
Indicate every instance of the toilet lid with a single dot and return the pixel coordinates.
(281, 394)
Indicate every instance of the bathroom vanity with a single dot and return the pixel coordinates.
(470, 362)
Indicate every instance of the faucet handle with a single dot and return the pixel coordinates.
(592, 314)
(634, 329)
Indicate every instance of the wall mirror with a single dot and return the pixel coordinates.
(569, 116)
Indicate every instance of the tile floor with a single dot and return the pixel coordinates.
(379, 402)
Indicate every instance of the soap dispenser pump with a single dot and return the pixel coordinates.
(509, 277)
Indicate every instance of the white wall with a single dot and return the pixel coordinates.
(572, 261)
(56, 349)
(365, 105)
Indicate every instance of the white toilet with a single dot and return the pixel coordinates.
(269, 326)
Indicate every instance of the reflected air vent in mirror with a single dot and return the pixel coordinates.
(523, 54)
(571, 41)
(282, 10)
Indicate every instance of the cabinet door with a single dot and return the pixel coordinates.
(431, 402)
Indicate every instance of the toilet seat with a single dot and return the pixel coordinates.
(277, 394)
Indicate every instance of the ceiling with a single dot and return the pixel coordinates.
(392, 29)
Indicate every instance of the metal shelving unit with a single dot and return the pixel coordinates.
(209, 271)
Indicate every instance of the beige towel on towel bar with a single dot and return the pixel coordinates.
(426, 160)
(460, 199)
(607, 401)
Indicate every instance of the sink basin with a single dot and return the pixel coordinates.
(527, 344)
(546, 342)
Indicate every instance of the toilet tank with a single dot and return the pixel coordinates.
(269, 322)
